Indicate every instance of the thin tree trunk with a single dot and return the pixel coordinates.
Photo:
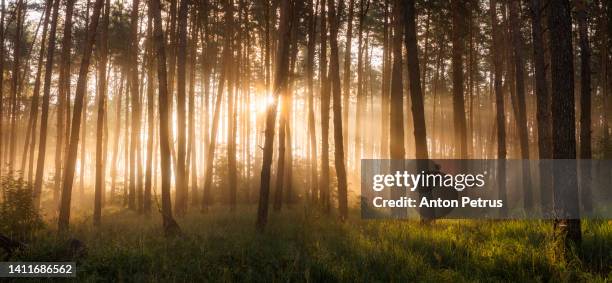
(458, 8)
(324, 90)
(33, 120)
(346, 80)
(134, 179)
(63, 115)
(280, 87)
(396, 145)
(311, 118)
(42, 145)
(102, 88)
(499, 104)
(20, 10)
(68, 177)
(334, 76)
(2, 86)
(181, 78)
(517, 42)
(146, 206)
(170, 225)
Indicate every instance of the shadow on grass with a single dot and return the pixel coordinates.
(302, 245)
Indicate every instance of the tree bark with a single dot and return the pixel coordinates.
(280, 86)
(334, 75)
(102, 88)
(499, 104)
(324, 90)
(521, 120)
(68, 177)
(63, 111)
(585, 104)
(181, 78)
(563, 122)
(543, 105)
(42, 144)
(346, 75)
(170, 225)
(458, 9)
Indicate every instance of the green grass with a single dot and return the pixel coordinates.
(305, 245)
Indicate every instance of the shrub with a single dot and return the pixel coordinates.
(19, 216)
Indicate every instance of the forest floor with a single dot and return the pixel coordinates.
(300, 244)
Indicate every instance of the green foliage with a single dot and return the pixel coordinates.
(19, 217)
(304, 245)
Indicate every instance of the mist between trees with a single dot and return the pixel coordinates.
(179, 105)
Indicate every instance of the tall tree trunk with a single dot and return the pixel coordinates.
(2, 85)
(146, 206)
(314, 188)
(63, 99)
(564, 137)
(113, 170)
(334, 76)
(324, 90)
(102, 88)
(231, 115)
(181, 78)
(416, 96)
(499, 104)
(346, 80)
(42, 144)
(33, 120)
(385, 85)
(363, 10)
(521, 120)
(170, 225)
(543, 105)
(585, 104)
(416, 93)
(280, 87)
(396, 144)
(210, 156)
(20, 9)
(458, 9)
(68, 177)
(135, 178)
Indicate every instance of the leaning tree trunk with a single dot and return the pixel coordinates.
(68, 177)
(44, 116)
(63, 98)
(416, 96)
(33, 120)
